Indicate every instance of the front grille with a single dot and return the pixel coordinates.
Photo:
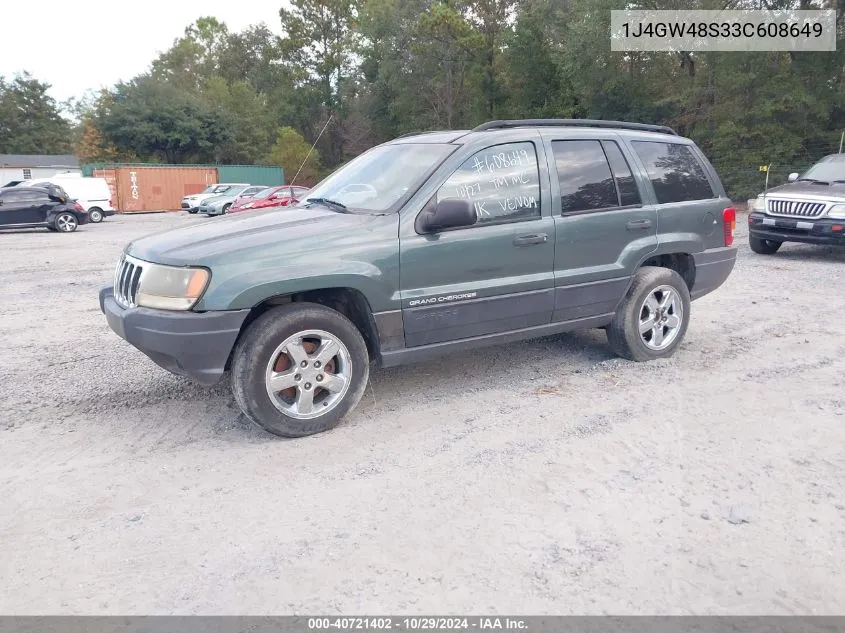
(127, 278)
(185, 205)
(795, 208)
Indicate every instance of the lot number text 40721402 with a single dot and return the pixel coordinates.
(415, 624)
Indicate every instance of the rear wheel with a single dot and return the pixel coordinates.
(299, 369)
(66, 223)
(763, 247)
(95, 214)
(652, 320)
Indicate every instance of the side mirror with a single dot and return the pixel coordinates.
(792, 177)
(446, 214)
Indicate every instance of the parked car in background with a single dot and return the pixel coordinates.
(219, 204)
(93, 194)
(248, 194)
(192, 203)
(272, 197)
(809, 208)
(431, 244)
(45, 206)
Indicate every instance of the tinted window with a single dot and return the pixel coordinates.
(24, 195)
(503, 182)
(625, 183)
(585, 179)
(674, 171)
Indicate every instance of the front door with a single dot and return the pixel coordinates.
(603, 228)
(495, 276)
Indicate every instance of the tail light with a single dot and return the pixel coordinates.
(111, 204)
(729, 222)
(79, 207)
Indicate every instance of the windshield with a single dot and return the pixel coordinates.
(221, 189)
(825, 172)
(378, 179)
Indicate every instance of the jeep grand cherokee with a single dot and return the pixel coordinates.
(426, 245)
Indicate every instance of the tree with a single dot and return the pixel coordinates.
(156, 119)
(319, 39)
(30, 122)
(291, 151)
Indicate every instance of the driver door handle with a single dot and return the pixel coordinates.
(531, 240)
(633, 225)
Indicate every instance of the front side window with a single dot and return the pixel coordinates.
(379, 179)
(586, 182)
(675, 172)
(502, 182)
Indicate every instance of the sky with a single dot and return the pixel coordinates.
(76, 46)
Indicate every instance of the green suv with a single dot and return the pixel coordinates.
(430, 244)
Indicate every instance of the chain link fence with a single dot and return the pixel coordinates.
(743, 172)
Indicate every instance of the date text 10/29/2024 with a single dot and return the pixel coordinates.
(416, 624)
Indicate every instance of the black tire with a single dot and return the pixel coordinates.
(255, 350)
(623, 334)
(763, 247)
(226, 208)
(66, 223)
(95, 214)
(192, 211)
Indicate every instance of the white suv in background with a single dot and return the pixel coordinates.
(93, 194)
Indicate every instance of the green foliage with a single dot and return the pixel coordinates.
(379, 68)
(291, 151)
(30, 122)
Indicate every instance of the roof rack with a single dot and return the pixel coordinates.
(619, 125)
(418, 132)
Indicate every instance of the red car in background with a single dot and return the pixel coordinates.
(271, 197)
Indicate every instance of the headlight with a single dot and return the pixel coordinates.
(758, 204)
(837, 211)
(171, 288)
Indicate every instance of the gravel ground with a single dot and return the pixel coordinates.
(545, 477)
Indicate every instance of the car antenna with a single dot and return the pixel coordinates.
(310, 150)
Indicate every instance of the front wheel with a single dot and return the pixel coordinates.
(66, 223)
(763, 247)
(652, 320)
(192, 211)
(226, 208)
(95, 215)
(299, 369)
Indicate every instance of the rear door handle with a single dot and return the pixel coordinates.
(531, 240)
(633, 225)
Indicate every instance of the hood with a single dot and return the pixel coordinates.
(808, 190)
(218, 198)
(199, 196)
(235, 237)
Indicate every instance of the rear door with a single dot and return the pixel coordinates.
(603, 225)
(492, 277)
(22, 205)
(689, 197)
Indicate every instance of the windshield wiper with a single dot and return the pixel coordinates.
(332, 204)
(813, 180)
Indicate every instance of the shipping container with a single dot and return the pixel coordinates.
(252, 174)
(266, 175)
(144, 188)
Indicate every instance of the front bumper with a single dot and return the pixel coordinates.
(211, 210)
(825, 231)
(191, 344)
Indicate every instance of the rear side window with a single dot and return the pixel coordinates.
(502, 182)
(24, 196)
(675, 171)
(593, 175)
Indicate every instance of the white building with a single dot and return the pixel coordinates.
(17, 167)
